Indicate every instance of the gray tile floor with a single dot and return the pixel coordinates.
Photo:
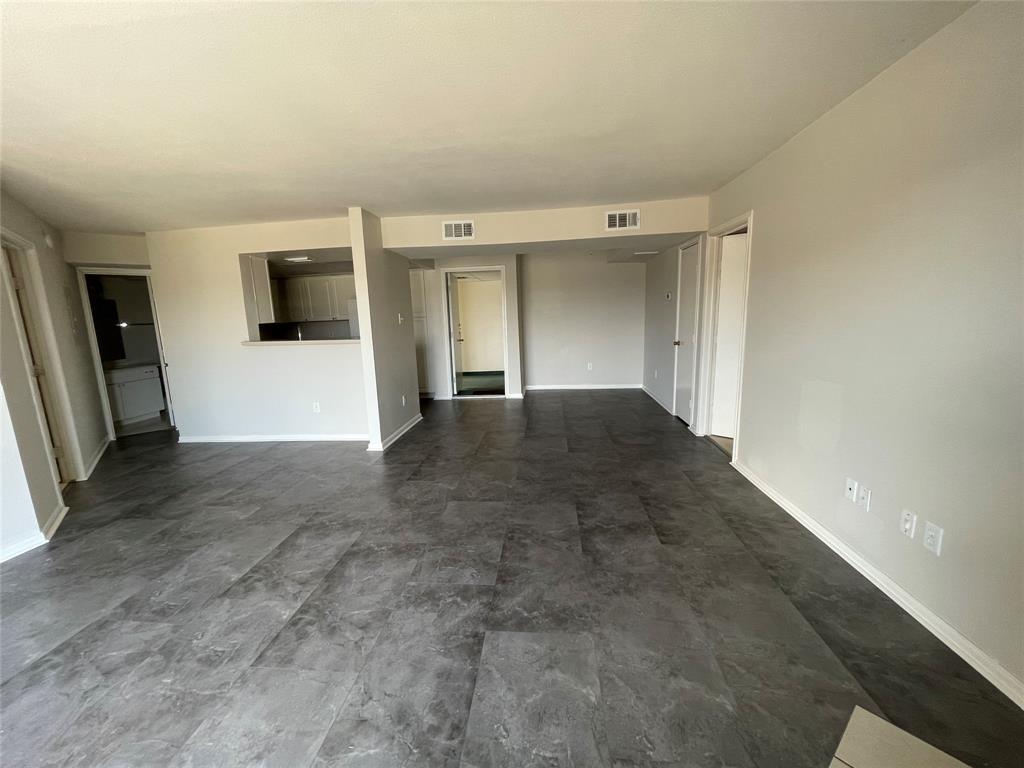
(573, 580)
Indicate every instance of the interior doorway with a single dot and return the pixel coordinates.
(16, 273)
(476, 330)
(127, 353)
(729, 320)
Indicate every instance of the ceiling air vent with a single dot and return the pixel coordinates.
(622, 219)
(457, 230)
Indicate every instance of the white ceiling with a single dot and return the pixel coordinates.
(130, 117)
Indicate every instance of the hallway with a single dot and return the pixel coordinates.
(573, 579)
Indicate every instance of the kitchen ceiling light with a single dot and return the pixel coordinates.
(297, 258)
(645, 253)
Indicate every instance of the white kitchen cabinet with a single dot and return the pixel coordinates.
(321, 297)
(343, 290)
(259, 272)
(296, 299)
(134, 393)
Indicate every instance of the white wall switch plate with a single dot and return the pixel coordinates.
(400, 318)
(864, 498)
(403, 401)
(655, 373)
(316, 406)
(933, 538)
(908, 523)
(851, 490)
(590, 366)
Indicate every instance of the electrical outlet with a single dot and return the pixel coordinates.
(400, 318)
(908, 523)
(864, 498)
(851, 490)
(403, 401)
(933, 538)
(655, 373)
(590, 366)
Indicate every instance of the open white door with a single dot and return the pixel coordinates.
(724, 403)
(686, 330)
(454, 330)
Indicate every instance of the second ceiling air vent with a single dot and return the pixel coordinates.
(622, 219)
(457, 230)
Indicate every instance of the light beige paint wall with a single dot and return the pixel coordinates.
(19, 527)
(72, 373)
(578, 308)
(483, 348)
(221, 388)
(661, 279)
(687, 214)
(437, 330)
(386, 329)
(884, 335)
(95, 250)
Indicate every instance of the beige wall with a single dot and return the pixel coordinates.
(19, 526)
(687, 214)
(884, 335)
(386, 329)
(579, 309)
(72, 371)
(483, 348)
(94, 249)
(661, 279)
(221, 388)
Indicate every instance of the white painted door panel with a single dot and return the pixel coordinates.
(727, 340)
(686, 331)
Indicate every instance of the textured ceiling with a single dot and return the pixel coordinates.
(154, 116)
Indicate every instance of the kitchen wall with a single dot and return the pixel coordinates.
(221, 388)
(661, 282)
(884, 336)
(72, 371)
(579, 309)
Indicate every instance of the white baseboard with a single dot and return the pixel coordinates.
(657, 399)
(271, 438)
(518, 396)
(95, 459)
(54, 520)
(531, 387)
(987, 666)
(20, 547)
(390, 439)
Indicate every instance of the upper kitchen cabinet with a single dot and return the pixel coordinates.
(256, 268)
(318, 297)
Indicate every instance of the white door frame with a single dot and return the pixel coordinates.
(449, 353)
(701, 242)
(710, 278)
(63, 415)
(101, 379)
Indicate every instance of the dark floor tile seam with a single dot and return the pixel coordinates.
(768, 572)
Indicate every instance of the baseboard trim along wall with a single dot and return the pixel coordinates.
(54, 520)
(95, 459)
(987, 666)
(531, 387)
(657, 399)
(20, 547)
(396, 434)
(271, 438)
